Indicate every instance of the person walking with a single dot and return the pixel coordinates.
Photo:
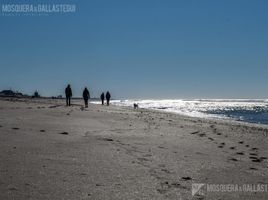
(108, 97)
(86, 96)
(68, 94)
(102, 98)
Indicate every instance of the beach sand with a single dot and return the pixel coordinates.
(50, 151)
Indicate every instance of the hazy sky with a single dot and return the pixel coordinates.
(140, 49)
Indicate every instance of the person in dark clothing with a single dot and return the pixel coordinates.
(86, 96)
(108, 97)
(102, 98)
(68, 94)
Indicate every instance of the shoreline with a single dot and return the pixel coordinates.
(79, 103)
(208, 119)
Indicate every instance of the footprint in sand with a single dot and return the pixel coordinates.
(256, 160)
(253, 154)
(1, 126)
(221, 145)
(254, 148)
(247, 145)
(166, 171)
(193, 133)
(55, 106)
(107, 139)
(143, 159)
(253, 168)
(186, 178)
(199, 153)
(42, 131)
(240, 153)
(212, 126)
(218, 133)
(147, 155)
(64, 133)
(15, 128)
(232, 148)
(202, 134)
(241, 142)
(233, 159)
(177, 185)
(165, 186)
(210, 138)
(162, 191)
(13, 189)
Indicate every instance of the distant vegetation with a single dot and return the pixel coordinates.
(36, 94)
(10, 93)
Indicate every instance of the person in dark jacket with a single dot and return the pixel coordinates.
(102, 98)
(86, 96)
(68, 94)
(108, 97)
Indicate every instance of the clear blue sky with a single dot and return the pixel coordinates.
(140, 49)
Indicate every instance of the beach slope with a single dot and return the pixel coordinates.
(50, 151)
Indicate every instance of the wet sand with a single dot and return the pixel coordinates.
(50, 151)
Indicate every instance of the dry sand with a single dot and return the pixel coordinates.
(49, 151)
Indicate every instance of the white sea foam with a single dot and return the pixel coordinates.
(205, 108)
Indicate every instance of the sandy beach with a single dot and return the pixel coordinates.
(50, 151)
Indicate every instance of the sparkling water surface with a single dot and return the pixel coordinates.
(248, 110)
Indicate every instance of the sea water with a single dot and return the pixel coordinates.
(247, 110)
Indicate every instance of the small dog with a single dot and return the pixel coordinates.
(136, 106)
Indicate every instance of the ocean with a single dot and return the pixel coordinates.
(247, 110)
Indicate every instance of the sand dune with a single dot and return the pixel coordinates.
(49, 151)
